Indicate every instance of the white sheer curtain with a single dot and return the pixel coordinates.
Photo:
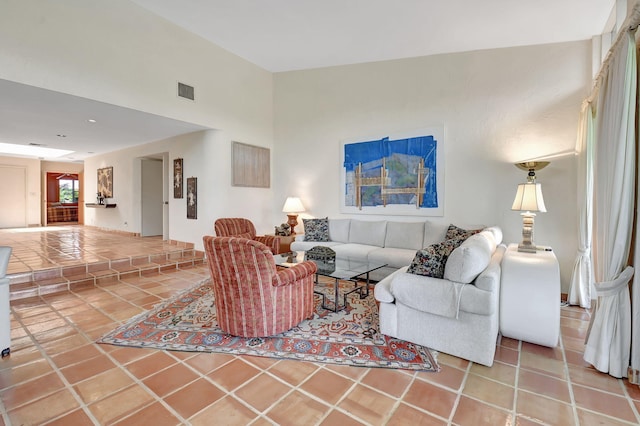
(582, 276)
(609, 341)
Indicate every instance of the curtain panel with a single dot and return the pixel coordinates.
(609, 340)
(582, 276)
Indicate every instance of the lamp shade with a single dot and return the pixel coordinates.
(293, 205)
(529, 198)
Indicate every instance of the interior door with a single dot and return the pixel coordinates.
(13, 193)
(152, 198)
(81, 198)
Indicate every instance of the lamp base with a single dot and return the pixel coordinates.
(527, 248)
(527, 245)
(293, 222)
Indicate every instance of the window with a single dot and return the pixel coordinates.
(68, 190)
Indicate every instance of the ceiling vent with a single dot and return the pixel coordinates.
(186, 91)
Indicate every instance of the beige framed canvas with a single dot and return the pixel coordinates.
(251, 166)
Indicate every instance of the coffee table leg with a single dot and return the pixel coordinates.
(336, 307)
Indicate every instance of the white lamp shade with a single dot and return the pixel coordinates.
(293, 205)
(529, 198)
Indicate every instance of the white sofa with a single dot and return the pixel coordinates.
(457, 314)
(393, 243)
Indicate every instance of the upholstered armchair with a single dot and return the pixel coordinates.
(240, 227)
(254, 298)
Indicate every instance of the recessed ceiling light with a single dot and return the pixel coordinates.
(32, 151)
(36, 144)
(90, 152)
(61, 135)
(91, 120)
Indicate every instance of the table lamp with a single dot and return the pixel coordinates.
(292, 207)
(529, 200)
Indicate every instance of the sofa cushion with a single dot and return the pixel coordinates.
(430, 261)
(436, 296)
(472, 257)
(301, 245)
(406, 235)
(457, 232)
(368, 232)
(434, 232)
(316, 229)
(339, 230)
(359, 252)
(393, 257)
(496, 232)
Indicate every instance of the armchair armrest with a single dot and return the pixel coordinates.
(271, 241)
(291, 275)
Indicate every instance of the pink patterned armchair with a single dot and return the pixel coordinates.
(240, 227)
(253, 298)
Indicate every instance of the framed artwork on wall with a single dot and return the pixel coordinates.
(395, 174)
(177, 178)
(192, 198)
(105, 182)
(251, 166)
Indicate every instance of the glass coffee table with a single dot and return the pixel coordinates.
(341, 269)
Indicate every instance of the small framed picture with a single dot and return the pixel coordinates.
(192, 198)
(177, 178)
(105, 182)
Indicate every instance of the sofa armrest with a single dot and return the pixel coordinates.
(382, 290)
(489, 279)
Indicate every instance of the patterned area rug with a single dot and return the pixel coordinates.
(187, 322)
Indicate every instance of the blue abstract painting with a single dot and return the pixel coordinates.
(392, 172)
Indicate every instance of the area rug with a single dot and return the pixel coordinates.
(187, 322)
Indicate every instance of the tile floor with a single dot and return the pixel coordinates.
(57, 375)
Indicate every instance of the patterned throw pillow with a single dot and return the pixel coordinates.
(455, 232)
(316, 229)
(430, 261)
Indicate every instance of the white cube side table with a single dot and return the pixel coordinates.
(530, 296)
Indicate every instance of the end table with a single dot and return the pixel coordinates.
(530, 296)
(285, 242)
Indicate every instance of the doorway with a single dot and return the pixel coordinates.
(152, 196)
(62, 198)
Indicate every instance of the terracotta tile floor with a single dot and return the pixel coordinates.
(57, 375)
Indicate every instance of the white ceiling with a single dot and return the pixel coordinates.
(32, 115)
(283, 35)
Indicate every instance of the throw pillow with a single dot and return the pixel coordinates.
(456, 232)
(316, 229)
(430, 261)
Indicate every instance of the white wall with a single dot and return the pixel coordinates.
(34, 194)
(207, 156)
(498, 107)
(119, 53)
